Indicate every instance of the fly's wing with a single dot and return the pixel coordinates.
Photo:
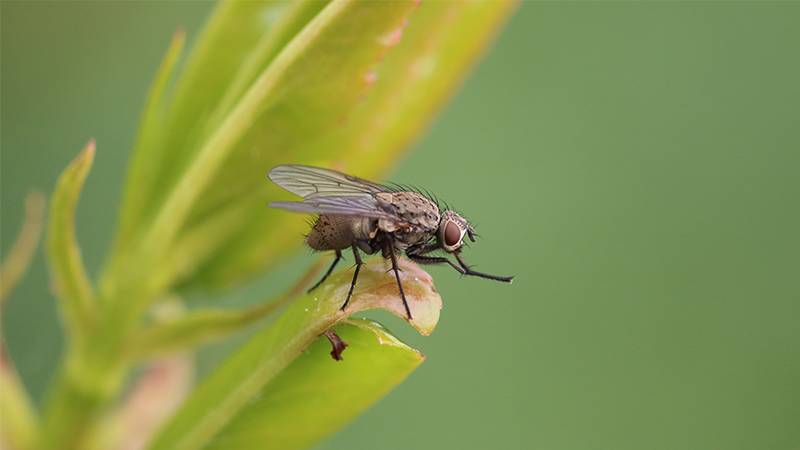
(312, 182)
(361, 206)
(326, 191)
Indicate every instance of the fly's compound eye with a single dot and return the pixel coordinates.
(451, 236)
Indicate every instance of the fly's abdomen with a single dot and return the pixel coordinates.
(340, 232)
(331, 233)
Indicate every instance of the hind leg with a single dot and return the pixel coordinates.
(357, 257)
(330, 269)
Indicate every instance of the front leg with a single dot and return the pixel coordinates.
(434, 260)
(470, 272)
(417, 254)
(422, 249)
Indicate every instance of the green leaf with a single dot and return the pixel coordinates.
(227, 43)
(306, 92)
(223, 401)
(195, 329)
(315, 396)
(349, 96)
(19, 257)
(294, 17)
(66, 266)
(148, 152)
(185, 331)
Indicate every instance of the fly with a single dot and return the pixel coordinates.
(369, 217)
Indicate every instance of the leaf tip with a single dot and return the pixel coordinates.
(34, 203)
(83, 161)
(423, 299)
(86, 156)
(178, 37)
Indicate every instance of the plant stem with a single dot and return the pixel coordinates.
(82, 389)
(95, 365)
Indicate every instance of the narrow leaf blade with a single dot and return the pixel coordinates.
(19, 257)
(66, 265)
(148, 151)
(204, 325)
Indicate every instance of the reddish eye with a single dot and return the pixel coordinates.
(452, 234)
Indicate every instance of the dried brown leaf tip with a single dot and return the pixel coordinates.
(380, 291)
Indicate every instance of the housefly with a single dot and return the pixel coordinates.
(369, 217)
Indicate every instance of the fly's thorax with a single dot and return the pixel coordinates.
(405, 239)
(414, 212)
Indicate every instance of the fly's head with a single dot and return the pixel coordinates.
(452, 229)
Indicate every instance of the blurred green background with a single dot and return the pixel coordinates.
(636, 165)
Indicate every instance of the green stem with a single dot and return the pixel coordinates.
(84, 386)
(94, 367)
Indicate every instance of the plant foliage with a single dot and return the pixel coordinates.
(344, 84)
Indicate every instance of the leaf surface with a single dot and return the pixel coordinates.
(222, 405)
(315, 395)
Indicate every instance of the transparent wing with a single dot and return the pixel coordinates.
(312, 182)
(363, 206)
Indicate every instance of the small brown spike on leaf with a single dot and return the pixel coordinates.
(337, 344)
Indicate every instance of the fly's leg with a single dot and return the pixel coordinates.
(337, 344)
(422, 249)
(357, 257)
(417, 254)
(420, 259)
(470, 272)
(330, 269)
(390, 248)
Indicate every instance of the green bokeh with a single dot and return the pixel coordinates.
(636, 165)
